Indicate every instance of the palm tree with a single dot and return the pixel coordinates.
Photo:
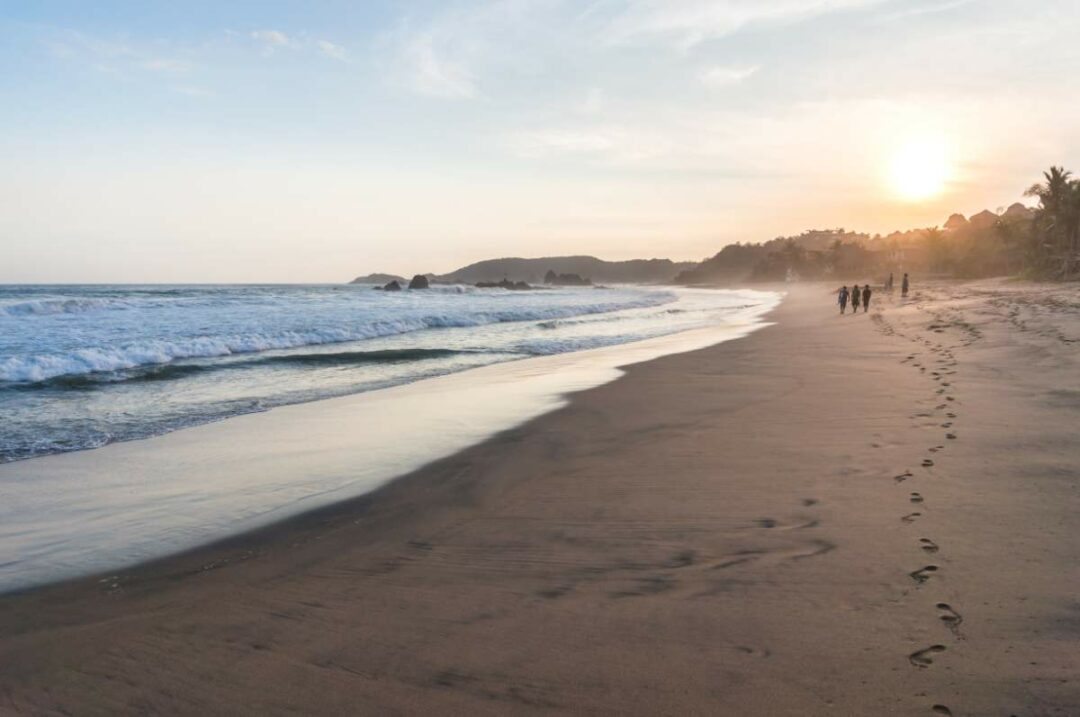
(936, 250)
(1057, 221)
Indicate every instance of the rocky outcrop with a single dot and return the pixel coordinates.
(378, 279)
(419, 282)
(392, 286)
(566, 279)
(504, 284)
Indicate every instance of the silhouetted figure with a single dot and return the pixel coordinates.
(904, 286)
(889, 283)
(865, 297)
(842, 298)
(855, 299)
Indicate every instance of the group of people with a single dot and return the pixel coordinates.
(854, 294)
(862, 296)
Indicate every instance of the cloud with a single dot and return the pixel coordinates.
(272, 40)
(432, 71)
(926, 10)
(331, 50)
(687, 23)
(722, 76)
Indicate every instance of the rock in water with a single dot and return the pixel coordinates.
(419, 282)
(392, 286)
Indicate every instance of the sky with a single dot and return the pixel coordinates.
(265, 141)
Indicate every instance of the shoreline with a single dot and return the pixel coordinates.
(737, 529)
(178, 491)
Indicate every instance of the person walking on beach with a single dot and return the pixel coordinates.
(889, 283)
(865, 297)
(904, 286)
(855, 299)
(842, 299)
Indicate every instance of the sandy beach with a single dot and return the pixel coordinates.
(860, 515)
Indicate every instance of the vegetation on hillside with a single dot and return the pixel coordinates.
(1043, 242)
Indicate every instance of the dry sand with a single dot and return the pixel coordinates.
(749, 529)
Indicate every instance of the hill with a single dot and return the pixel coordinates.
(379, 279)
(533, 271)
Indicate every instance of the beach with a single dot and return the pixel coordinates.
(859, 515)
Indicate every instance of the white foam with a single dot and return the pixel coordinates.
(43, 366)
(78, 513)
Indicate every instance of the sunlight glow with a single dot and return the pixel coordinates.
(919, 168)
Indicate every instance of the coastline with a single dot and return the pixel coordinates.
(82, 513)
(738, 529)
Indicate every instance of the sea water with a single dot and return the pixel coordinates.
(83, 367)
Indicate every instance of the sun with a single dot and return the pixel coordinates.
(919, 168)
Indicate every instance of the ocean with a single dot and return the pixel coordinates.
(84, 366)
(380, 384)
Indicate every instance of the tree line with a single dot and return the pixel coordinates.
(1039, 243)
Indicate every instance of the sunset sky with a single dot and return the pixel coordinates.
(284, 142)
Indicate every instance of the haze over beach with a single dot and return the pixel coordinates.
(636, 357)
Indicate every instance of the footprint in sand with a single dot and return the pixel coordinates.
(951, 436)
(916, 498)
(951, 415)
(928, 546)
(941, 710)
(947, 424)
(903, 476)
(950, 617)
(921, 575)
(927, 463)
(922, 658)
(910, 517)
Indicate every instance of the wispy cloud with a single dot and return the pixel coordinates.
(432, 70)
(686, 23)
(329, 49)
(720, 76)
(272, 40)
(925, 10)
(127, 58)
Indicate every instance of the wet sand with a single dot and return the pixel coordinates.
(868, 515)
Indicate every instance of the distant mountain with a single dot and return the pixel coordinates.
(379, 279)
(733, 263)
(533, 271)
(748, 262)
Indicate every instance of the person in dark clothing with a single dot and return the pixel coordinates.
(865, 297)
(842, 298)
(904, 286)
(855, 299)
(889, 283)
